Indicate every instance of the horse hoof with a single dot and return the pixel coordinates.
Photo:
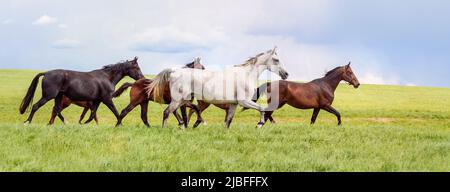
(26, 123)
(204, 123)
(182, 127)
(259, 126)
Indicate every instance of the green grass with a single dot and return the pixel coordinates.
(385, 128)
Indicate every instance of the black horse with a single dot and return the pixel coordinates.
(96, 86)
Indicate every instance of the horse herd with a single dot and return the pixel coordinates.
(179, 87)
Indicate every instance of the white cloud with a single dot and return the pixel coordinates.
(167, 39)
(371, 78)
(66, 44)
(45, 20)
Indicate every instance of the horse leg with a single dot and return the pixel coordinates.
(330, 109)
(199, 114)
(314, 116)
(252, 105)
(170, 109)
(109, 103)
(179, 118)
(36, 106)
(268, 116)
(52, 118)
(93, 112)
(83, 114)
(230, 114)
(128, 109)
(58, 107)
(201, 105)
(65, 102)
(183, 115)
(144, 107)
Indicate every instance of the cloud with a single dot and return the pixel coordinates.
(45, 20)
(372, 78)
(171, 39)
(66, 44)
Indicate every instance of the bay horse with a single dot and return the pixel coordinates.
(234, 86)
(139, 96)
(66, 102)
(96, 86)
(203, 105)
(317, 94)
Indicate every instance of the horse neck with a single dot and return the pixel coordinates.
(114, 76)
(333, 80)
(253, 71)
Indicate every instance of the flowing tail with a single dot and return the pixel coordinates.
(156, 88)
(30, 94)
(259, 92)
(122, 89)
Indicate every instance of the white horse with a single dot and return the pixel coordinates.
(233, 86)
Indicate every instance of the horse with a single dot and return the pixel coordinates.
(234, 86)
(138, 96)
(96, 86)
(202, 106)
(66, 102)
(317, 94)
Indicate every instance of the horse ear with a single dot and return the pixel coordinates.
(274, 50)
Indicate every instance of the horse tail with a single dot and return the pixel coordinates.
(122, 89)
(156, 87)
(259, 92)
(30, 94)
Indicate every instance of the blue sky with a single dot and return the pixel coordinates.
(389, 42)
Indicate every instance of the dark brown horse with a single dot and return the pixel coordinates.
(96, 86)
(317, 94)
(139, 96)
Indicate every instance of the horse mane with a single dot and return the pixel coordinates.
(250, 61)
(120, 66)
(332, 71)
(191, 63)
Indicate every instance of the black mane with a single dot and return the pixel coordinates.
(117, 67)
(332, 71)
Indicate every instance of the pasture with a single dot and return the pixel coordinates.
(385, 128)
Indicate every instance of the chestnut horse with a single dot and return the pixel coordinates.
(139, 96)
(317, 94)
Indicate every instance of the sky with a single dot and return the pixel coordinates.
(402, 42)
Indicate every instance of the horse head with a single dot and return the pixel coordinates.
(349, 76)
(133, 70)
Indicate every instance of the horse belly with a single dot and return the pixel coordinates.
(304, 101)
(81, 92)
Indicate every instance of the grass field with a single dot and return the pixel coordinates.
(385, 128)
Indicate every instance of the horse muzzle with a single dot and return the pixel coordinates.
(283, 74)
